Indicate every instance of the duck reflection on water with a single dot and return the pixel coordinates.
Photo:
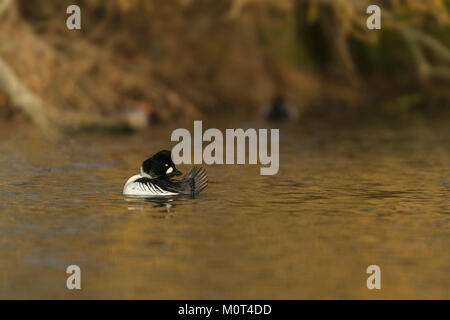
(166, 203)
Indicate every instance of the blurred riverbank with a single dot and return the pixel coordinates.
(137, 63)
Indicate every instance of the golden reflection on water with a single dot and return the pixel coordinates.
(343, 200)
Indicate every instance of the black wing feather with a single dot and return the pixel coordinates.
(192, 183)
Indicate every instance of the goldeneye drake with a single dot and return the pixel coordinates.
(155, 178)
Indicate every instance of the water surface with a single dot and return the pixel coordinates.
(343, 199)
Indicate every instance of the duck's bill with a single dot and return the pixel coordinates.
(175, 172)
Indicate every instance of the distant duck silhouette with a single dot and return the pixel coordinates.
(279, 110)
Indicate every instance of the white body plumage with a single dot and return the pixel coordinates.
(135, 188)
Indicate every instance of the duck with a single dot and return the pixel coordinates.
(156, 178)
(279, 110)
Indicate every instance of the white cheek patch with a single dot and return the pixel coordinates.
(169, 170)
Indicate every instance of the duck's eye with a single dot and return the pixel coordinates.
(166, 165)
